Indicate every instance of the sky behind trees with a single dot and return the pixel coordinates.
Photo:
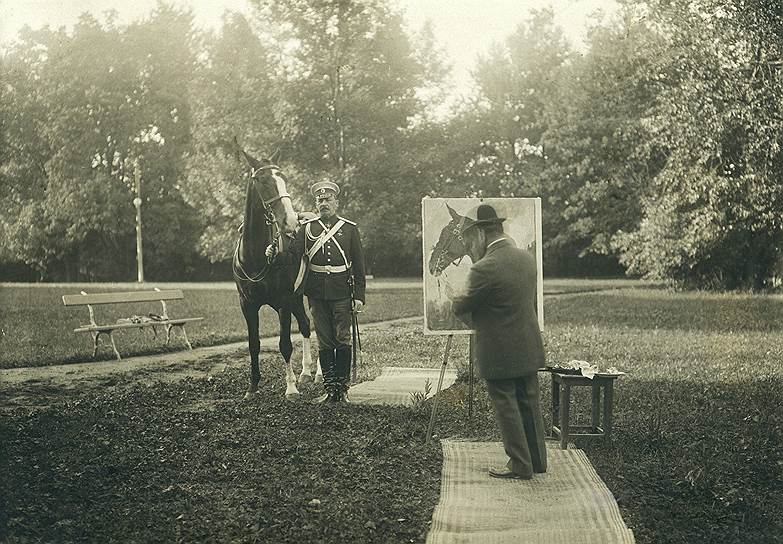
(463, 28)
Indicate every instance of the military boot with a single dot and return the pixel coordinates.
(343, 372)
(327, 359)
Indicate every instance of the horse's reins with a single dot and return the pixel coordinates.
(274, 229)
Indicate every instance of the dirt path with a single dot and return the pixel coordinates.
(39, 386)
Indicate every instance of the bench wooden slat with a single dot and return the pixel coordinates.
(88, 328)
(115, 298)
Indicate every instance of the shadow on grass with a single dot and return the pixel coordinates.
(656, 309)
(189, 462)
(688, 462)
(695, 462)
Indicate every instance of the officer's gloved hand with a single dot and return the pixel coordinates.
(357, 306)
(271, 250)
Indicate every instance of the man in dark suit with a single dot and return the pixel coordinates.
(333, 284)
(500, 304)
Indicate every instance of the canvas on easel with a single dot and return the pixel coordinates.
(446, 252)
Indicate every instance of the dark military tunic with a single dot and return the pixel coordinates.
(328, 278)
(328, 285)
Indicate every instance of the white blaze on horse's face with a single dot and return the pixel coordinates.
(290, 222)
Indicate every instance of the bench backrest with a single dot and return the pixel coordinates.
(116, 298)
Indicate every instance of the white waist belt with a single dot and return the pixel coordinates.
(328, 269)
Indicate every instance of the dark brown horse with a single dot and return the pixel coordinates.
(269, 218)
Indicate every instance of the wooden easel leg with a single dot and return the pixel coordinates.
(95, 336)
(168, 334)
(470, 378)
(440, 384)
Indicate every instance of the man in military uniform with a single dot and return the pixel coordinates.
(333, 284)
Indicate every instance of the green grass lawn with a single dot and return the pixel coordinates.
(697, 453)
(576, 285)
(37, 329)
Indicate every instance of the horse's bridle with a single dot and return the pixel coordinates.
(269, 219)
(266, 203)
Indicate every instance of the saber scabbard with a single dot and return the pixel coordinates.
(356, 344)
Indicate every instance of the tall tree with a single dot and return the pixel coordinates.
(89, 107)
(502, 129)
(600, 160)
(235, 95)
(353, 80)
(714, 218)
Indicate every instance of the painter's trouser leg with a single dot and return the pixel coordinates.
(518, 413)
(528, 399)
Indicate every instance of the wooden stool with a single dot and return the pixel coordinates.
(561, 404)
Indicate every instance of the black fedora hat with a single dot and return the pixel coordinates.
(486, 215)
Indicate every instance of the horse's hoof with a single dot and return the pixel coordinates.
(250, 393)
(319, 378)
(305, 378)
(293, 396)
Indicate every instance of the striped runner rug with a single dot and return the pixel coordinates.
(395, 385)
(569, 504)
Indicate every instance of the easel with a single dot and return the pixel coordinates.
(446, 353)
(471, 355)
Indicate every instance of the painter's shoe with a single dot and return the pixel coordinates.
(507, 474)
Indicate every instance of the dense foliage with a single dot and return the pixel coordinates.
(655, 147)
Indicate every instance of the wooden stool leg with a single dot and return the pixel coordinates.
(565, 406)
(595, 412)
(555, 405)
(168, 334)
(608, 404)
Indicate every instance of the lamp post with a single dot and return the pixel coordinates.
(137, 204)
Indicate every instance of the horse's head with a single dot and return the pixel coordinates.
(452, 244)
(269, 185)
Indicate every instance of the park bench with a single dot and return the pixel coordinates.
(138, 322)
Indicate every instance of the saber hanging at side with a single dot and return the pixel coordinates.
(356, 339)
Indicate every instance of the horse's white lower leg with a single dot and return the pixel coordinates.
(307, 362)
(290, 381)
(319, 377)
